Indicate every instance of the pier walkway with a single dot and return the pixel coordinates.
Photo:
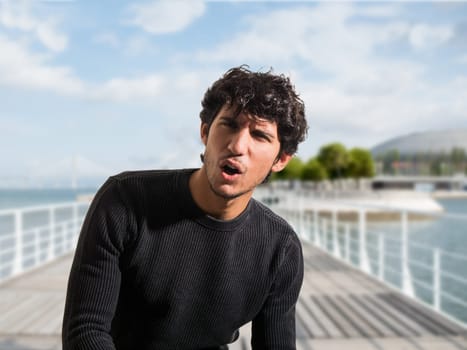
(339, 308)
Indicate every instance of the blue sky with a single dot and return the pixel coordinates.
(106, 86)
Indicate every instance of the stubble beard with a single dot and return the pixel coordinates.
(211, 180)
(227, 196)
(231, 196)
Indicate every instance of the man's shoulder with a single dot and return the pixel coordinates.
(140, 187)
(268, 218)
(148, 175)
(146, 179)
(279, 233)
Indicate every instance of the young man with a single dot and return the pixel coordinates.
(181, 259)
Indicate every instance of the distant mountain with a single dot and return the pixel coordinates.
(429, 141)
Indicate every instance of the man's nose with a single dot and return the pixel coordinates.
(239, 141)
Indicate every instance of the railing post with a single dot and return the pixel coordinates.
(52, 227)
(347, 242)
(37, 247)
(18, 262)
(63, 244)
(75, 220)
(76, 226)
(316, 237)
(296, 220)
(335, 238)
(381, 266)
(437, 279)
(407, 287)
(307, 220)
(300, 215)
(324, 229)
(363, 256)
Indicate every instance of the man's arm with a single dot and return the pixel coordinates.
(94, 282)
(274, 326)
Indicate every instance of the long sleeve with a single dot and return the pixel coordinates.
(274, 326)
(95, 277)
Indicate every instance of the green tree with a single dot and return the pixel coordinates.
(436, 167)
(458, 158)
(360, 163)
(313, 170)
(334, 158)
(292, 171)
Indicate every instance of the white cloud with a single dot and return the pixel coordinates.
(265, 40)
(17, 15)
(368, 119)
(318, 36)
(423, 36)
(160, 17)
(19, 67)
(124, 89)
(159, 88)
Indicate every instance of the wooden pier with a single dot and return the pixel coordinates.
(339, 308)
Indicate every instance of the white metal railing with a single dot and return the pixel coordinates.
(32, 236)
(418, 270)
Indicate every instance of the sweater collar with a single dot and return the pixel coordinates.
(188, 206)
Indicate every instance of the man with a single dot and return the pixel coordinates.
(181, 259)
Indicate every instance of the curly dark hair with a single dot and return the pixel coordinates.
(265, 95)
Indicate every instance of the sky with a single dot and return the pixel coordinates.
(93, 88)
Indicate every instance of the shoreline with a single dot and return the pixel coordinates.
(449, 194)
(381, 205)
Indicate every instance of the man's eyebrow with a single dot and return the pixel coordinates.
(227, 118)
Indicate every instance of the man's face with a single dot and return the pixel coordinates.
(240, 152)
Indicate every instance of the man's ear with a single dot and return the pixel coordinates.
(204, 133)
(281, 162)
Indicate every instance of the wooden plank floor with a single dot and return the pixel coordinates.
(342, 308)
(339, 308)
(31, 308)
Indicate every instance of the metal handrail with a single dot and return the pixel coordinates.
(52, 240)
(333, 235)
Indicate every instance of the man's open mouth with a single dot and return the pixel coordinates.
(230, 169)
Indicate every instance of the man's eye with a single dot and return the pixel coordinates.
(230, 124)
(261, 136)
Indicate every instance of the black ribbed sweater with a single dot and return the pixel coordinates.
(152, 271)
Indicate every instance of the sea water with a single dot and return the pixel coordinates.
(17, 198)
(448, 234)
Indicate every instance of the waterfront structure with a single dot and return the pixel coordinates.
(382, 186)
(439, 152)
(436, 141)
(421, 183)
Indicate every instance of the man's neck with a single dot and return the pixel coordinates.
(213, 204)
